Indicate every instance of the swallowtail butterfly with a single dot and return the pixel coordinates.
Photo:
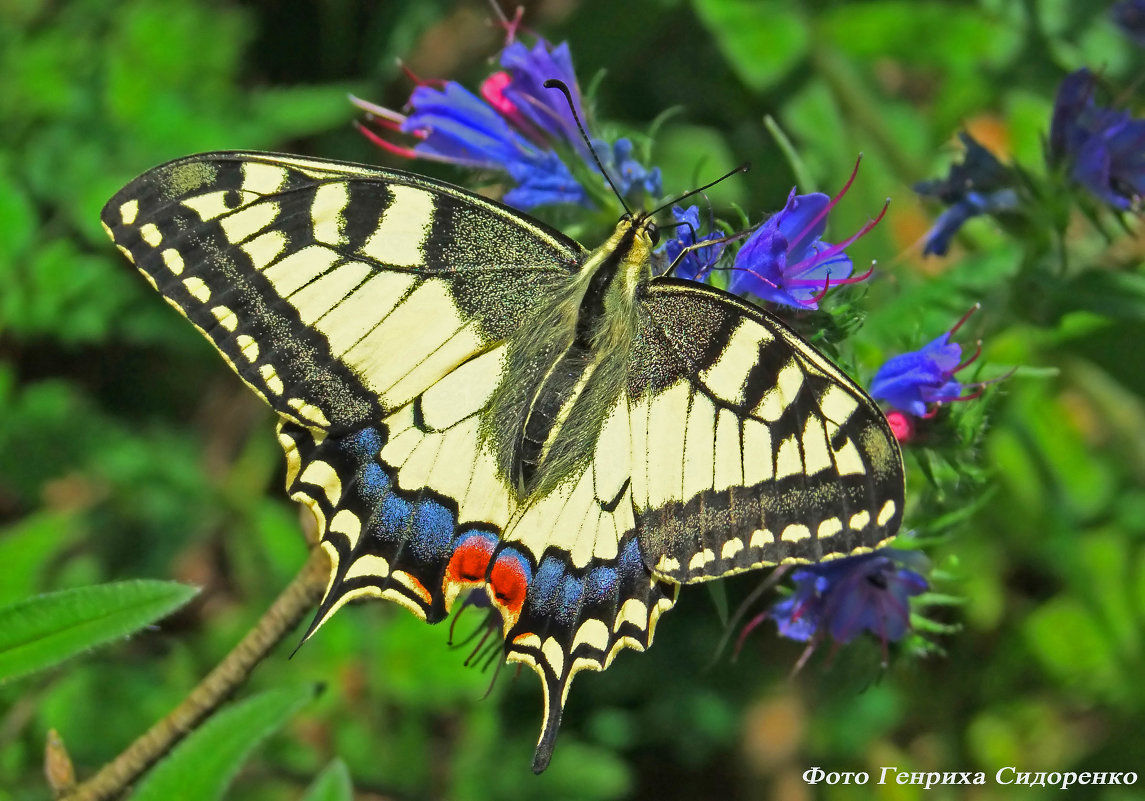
(470, 400)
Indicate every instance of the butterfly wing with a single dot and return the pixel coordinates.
(336, 291)
(749, 447)
(587, 593)
(369, 309)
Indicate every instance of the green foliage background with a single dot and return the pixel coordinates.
(128, 451)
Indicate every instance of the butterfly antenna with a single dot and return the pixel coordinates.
(554, 83)
(741, 168)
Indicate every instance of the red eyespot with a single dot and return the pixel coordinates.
(470, 561)
(510, 582)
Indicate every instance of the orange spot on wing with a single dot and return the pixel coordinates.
(509, 582)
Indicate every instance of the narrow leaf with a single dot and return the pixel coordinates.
(332, 784)
(202, 767)
(39, 632)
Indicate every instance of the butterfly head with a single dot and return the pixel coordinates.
(643, 225)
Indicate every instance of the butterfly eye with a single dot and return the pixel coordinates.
(653, 232)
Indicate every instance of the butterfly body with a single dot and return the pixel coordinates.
(468, 400)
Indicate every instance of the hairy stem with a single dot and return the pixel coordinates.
(300, 595)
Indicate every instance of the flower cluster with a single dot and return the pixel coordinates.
(784, 260)
(517, 127)
(686, 253)
(1102, 149)
(980, 184)
(913, 384)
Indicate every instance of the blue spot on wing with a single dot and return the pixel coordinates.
(629, 563)
(545, 585)
(600, 585)
(393, 517)
(433, 531)
(572, 589)
(373, 483)
(364, 444)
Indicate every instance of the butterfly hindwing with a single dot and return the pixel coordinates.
(588, 593)
(749, 447)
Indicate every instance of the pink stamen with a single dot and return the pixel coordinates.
(390, 147)
(818, 296)
(748, 629)
(808, 651)
(437, 83)
(752, 272)
(965, 317)
(977, 393)
(512, 27)
(970, 361)
(826, 209)
(834, 250)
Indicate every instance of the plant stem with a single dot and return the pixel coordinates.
(300, 595)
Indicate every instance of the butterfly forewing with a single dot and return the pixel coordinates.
(337, 292)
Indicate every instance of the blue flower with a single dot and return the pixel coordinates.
(695, 264)
(785, 260)
(1129, 16)
(520, 93)
(453, 125)
(848, 596)
(910, 381)
(517, 127)
(630, 175)
(980, 184)
(1102, 149)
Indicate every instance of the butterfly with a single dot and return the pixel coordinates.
(469, 400)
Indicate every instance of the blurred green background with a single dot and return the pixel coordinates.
(128, 450)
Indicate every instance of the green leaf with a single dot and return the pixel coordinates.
(42, 631)
(332, 784)
(1062, 635)
(762, 41)
(1117, 295)
(29, 545)
(201, 767)
(18, 223)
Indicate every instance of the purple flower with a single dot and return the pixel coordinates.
(630, 175)
(1102, 149)
(785, 260)
(517, 127)
(1129, 16)
(910, 381)
(845, 597)
(519, 92)
(453, 125)
(980, 184)
(695, 264)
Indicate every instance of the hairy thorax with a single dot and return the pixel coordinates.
(566, 369)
